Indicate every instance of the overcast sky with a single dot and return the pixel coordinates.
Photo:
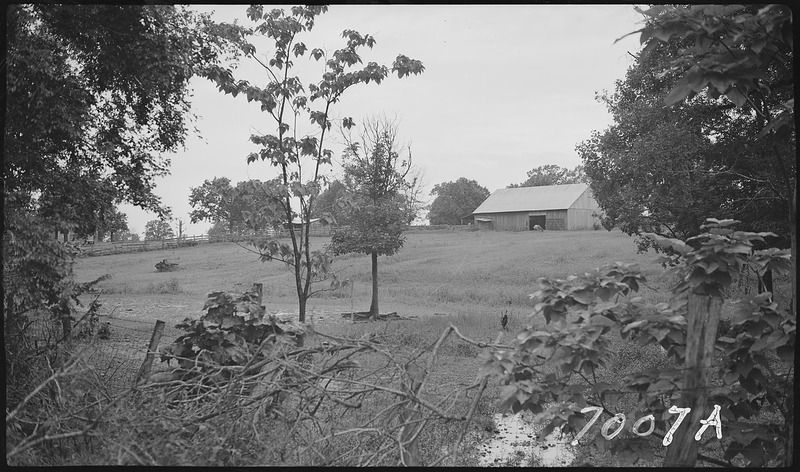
(506, 88)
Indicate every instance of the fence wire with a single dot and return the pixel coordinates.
(114, 347)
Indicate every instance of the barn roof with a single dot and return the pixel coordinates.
(550, 197)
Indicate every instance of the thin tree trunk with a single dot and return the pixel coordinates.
(301, 337)
(373, 309)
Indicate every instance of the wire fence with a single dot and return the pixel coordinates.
(114, 347)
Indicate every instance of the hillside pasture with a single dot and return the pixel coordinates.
(456, 273)
(440, 278)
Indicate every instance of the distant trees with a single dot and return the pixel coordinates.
(114, 224)
(214, 201)
(455, 200)
(156, 230)
(552, 175)
(227, 207)
(130, 236)
(380, 199)
(331, 200)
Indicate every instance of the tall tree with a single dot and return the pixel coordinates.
(552, 175)
(380, 198)
(298, 156)
(95, 95)
(455, 200)
(156, 230)
(214, 201)
(744, 53)
(226, 206)
(664, 169)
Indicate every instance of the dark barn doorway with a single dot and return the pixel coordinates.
(540, 220)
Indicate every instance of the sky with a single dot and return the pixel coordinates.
(506, 88)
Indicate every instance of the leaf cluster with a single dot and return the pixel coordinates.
(581, 312)
(730, 49)
(233, 331)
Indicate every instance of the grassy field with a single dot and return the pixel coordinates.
(460, 273)
(464, 278)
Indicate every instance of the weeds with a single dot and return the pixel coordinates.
(171, 286)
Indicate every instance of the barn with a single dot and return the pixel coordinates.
(553, 207)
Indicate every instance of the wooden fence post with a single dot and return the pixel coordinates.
(144, 370)
(701, 332)
(259, 289)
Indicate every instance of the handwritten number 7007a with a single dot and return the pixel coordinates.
(713, 420)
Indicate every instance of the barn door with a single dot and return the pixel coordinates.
(540, 220)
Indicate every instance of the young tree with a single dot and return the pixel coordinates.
(156, 230)
(287, 100)
(552, 175)
(380, 203)
(455, 200)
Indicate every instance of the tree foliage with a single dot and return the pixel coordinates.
(226, 206)
(114, 224)
(298, 156)
(331, 200)
(552, 174)
(156, 230)
(455, 200)
(212, 201)
(95, 94)
(725, 150)
(752, 381)
(379, 196)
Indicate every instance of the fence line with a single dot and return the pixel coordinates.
(104, 249)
